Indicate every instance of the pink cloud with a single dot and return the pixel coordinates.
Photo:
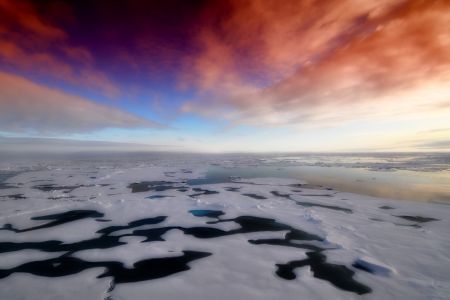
(318, 60)
(28, 42)
(28, 107)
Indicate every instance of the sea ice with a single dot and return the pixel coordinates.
(95, 230)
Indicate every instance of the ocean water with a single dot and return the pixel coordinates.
(403, 176)
(399, 184)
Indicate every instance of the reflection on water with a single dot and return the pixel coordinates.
(400, 184)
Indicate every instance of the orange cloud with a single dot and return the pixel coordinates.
(28, 107)
(23, 15)
(269, 63)
(28, 42)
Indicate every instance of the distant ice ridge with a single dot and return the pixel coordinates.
(132, 229)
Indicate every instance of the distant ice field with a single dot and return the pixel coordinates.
(218, 227)
(405, 176)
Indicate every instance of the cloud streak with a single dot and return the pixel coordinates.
(436, 145)
(14, 145)
(28, 107)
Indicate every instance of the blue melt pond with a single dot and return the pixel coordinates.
(157, 197)
(206, 213)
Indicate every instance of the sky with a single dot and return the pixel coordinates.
(226, 75)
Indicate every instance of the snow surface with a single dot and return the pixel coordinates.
(398, 249)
